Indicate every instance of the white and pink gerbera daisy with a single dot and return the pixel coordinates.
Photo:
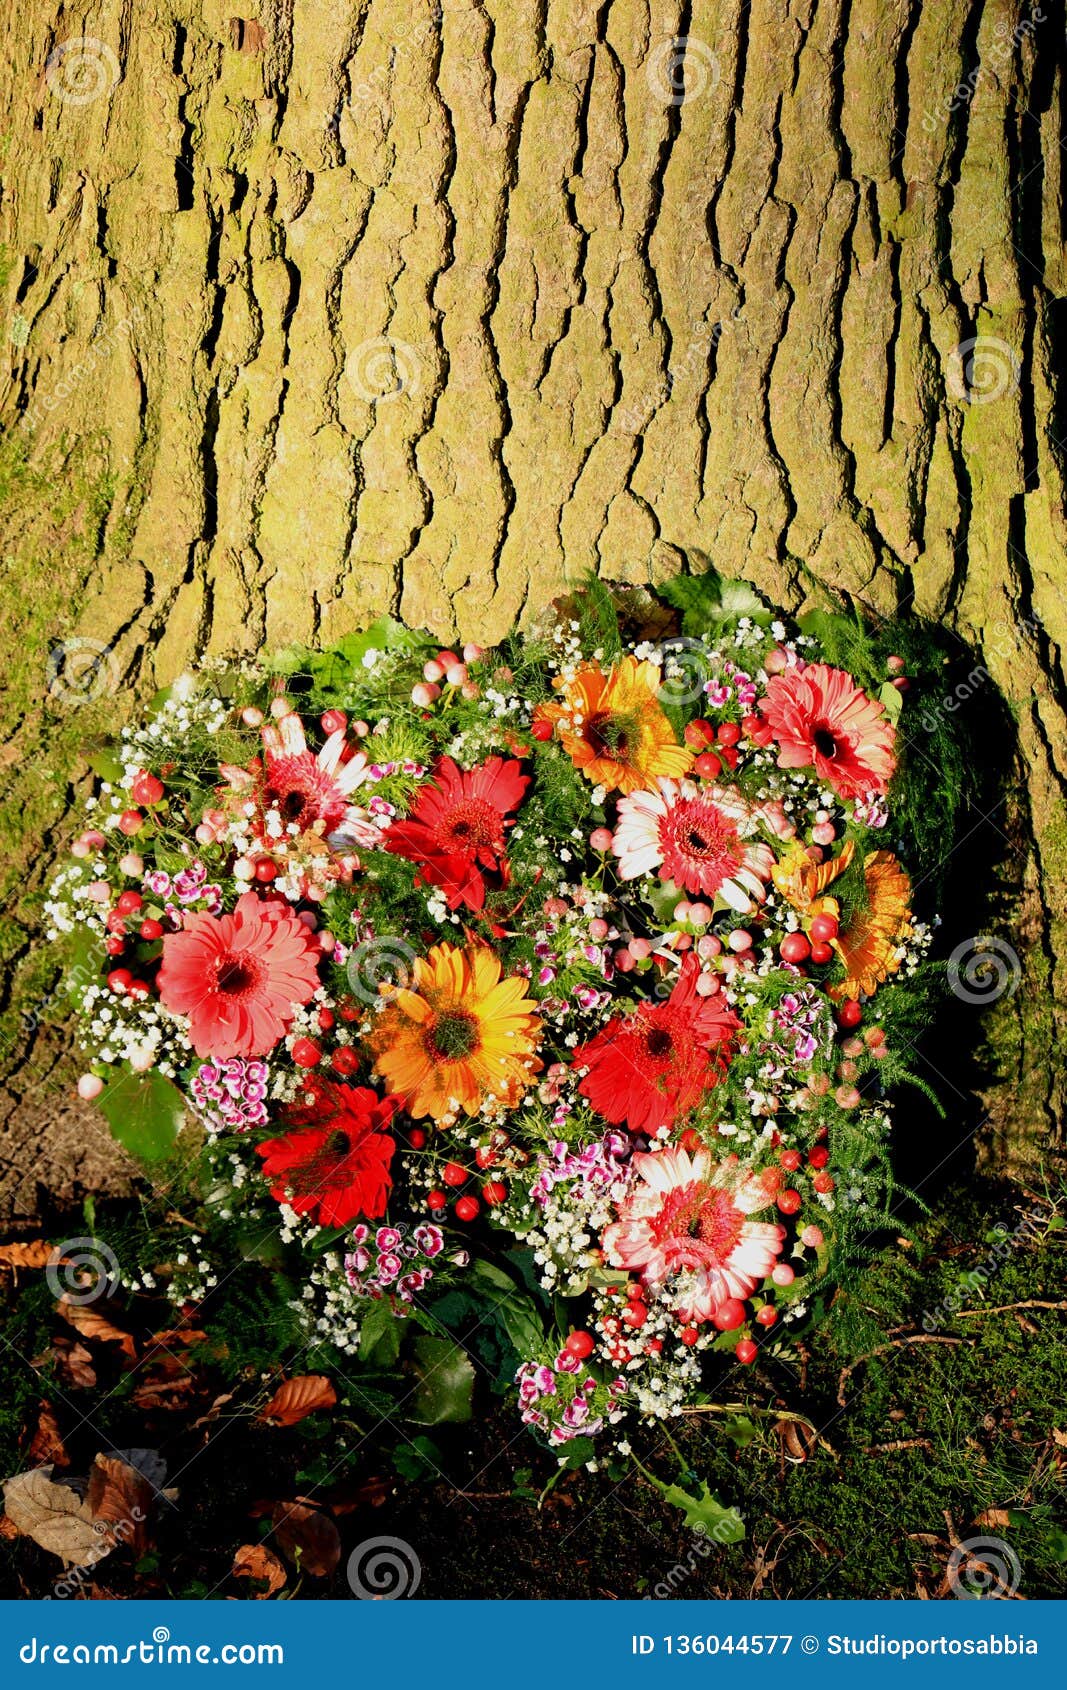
(695, 837)
(307, 791)
(690, 1215)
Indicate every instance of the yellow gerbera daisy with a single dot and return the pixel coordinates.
(458, 1035)
(801, 882)
(867, 944)
(613, 727)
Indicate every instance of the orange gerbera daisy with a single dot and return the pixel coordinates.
(801, 882)
(613, 726)
(867, 944)
(458, 1035)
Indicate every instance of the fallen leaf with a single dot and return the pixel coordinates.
(993, 1517)
(120, 1499)
(92, 1324)
(798, 1439)
(47, 1441)
(212, 1414)
(149, 1462)
(35, 1254)
(256, 1561)
(74, 1363)
(54, 1516)
(1059, 1438)
(297, 1398)
(306, 1537)
(180, 1335)
(8, 1528)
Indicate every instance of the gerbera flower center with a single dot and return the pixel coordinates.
(235, 974)
(612, 735)
(706, 1214)
(471, 823)
(454, 1035)
(701, 846)
(658, 1041)
(337, 1144)
(303, 793)
(824, 741)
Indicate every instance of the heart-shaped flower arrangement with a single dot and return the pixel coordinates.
(574, 974)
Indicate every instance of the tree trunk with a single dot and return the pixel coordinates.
(428, 306)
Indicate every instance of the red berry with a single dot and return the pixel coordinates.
(146, 788)
(306, 1053)
(789, 1201)
(542, 731)
(820, 952)
(823, 1182)
(416, 1138)
(138, 989)
(707, 766)
(901, 683)
(790, 1160)
(729, 1315)
(751, 725)
(128, 902)
(114, 922)
(344, 1060)
(453, 1174)
(484, 1156)
(728, 733)
(795, 947)
(326, 1019)
(729, 756)
(120, 979)
(333, 721)
(655, 1345)
(825, 927)
(580, 1344)
(265, 870)
(767, 1315)
(818, 1156)
(698, 734)
(746, 1352)
(689, 1335)
(467, 1208)
(131, 821)
(850, 1014)
(436, 1199)
(348, 1012)
(691, 1139)
(115, 945)
(151, 928)
(635, 1314)
(494, 1191)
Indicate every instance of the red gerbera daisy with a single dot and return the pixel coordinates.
(336, 1166)
(239, 978)
(821, 719)
(456, 828)
(648, 1068)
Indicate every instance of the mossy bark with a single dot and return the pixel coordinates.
(431, 305)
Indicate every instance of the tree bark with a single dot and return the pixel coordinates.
(432, 305)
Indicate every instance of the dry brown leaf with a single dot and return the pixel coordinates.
(92, 1324)
(993, 1517)
(256, 1561)
(54, 1516)
(74, 1364)
(120, 1498)
(180, 1335)
(213, 1412)
(37, 1253)
(297, 1398)
(306, 1537)
(8, 1528)
(1059, 1438)
(47, 1441)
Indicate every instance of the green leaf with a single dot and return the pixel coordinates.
(576, 1453)
(380, 1333)
(145, 1113)
(892, 700)
(707, 1515)
(420, 1459)
(709, 604)
(106, 764)
(446, 1383)
(739, 1430)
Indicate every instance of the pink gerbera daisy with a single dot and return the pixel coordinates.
(239, 978)
(695, 838)
(821, 719)
(690, 1215)
(312, 792)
